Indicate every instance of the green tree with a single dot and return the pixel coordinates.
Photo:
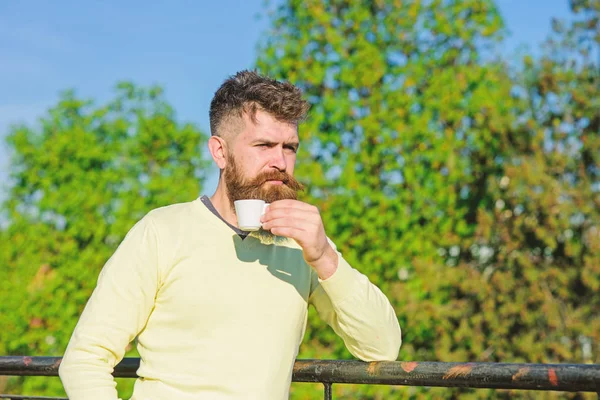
(542, 232)
(81, 180)
(416, 131)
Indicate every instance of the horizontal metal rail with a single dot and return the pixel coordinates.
(546, 377)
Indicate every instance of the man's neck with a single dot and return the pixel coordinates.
(221, 202)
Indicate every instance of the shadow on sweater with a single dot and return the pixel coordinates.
(283, 262)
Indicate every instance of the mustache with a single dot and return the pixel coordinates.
(275, 175)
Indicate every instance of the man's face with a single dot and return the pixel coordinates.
(260, 162)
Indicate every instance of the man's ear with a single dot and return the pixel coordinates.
(218, 150)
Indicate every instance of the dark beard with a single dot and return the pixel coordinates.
(239, 188)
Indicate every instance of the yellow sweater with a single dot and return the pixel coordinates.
(215, 316)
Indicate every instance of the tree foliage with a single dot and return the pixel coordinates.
(81, 180)
(465, 187)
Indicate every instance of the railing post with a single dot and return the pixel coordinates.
(327, 390)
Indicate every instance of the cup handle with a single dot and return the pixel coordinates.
(265, 206)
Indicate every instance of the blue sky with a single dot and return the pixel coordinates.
(188, 47)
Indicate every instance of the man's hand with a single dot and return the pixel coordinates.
(302, 222)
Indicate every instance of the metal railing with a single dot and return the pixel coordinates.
(544, 377)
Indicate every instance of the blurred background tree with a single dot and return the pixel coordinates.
(82, 179)
(464, 186)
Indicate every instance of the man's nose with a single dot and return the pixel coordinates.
(278, 159)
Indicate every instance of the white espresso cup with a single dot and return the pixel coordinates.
(248, 214)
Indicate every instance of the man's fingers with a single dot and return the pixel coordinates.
(288, 231)
(296, 213)
(291, 222)
(295, 204)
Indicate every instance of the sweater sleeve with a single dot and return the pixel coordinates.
(115, 313)
(359, 312)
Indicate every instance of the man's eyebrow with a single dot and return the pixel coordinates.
(294, 143)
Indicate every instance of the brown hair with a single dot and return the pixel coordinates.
(247, 92)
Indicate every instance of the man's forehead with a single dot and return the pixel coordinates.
(266, 127)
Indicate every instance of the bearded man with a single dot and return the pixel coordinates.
(219, 313)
